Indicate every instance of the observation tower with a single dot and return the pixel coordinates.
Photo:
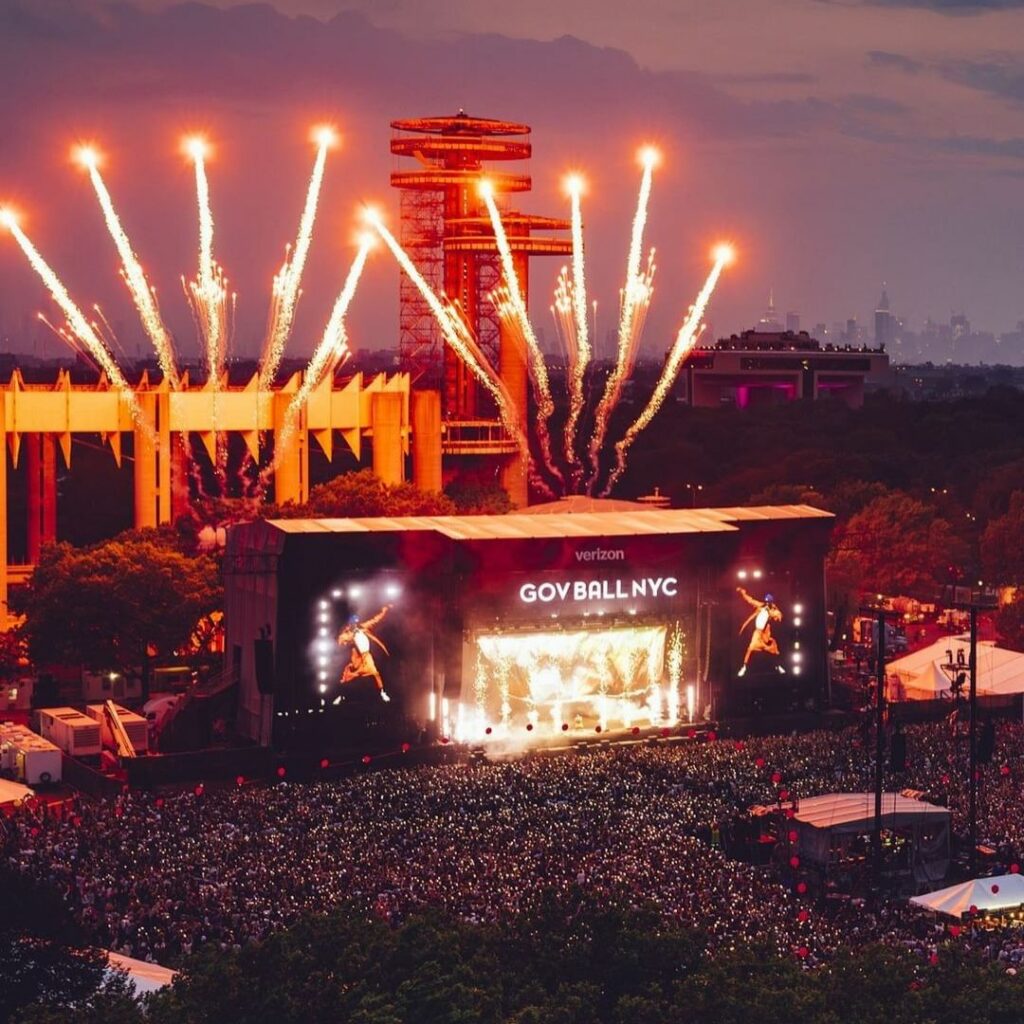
(447, 232)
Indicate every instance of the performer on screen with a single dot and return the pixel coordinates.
(761, 640)
(361, 663)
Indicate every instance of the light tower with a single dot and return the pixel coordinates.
(447, 232)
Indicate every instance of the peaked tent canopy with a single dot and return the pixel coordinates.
(1002, 892)
(920, 675)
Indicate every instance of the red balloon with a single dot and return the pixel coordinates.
(406, 747)
(198, 790)
(759, 762)
(954, 930)
(239, 780)
(1004, 770)
(792, 836)
(1014, 869)
(444, 739)
(367, 759)
(76, 821)
(794, 862)
(801, 887)
(281, 771)
(783, 794)
(945, 780)
(488, 731)
(934, 959)
(692, 734)
(34, 831)
(712, 736)
(529, 726)
(158, 802)
(665, 731)
(803, 915)
(324, 763)
(803, 952)
(776, 778)
(565, 727)
(740, 745)
(790, 813)
(972, 909)
(995, 888)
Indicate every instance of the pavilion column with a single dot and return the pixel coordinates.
(512, 368)
(145, 479)
(41, 492)
(426, 440)
(291, 455)
(4, 613)
(386, 423)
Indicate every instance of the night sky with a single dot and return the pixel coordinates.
(837, 144)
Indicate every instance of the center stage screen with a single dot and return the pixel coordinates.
(576, 678)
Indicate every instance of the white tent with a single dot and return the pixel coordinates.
(147, 977)
(920, 675)
(1003, 892)
(12, 792)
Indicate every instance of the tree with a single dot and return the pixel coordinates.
(1002, 555)
(117, 604)
(43, 957)
(478, 497)
(894, 545)
(1010, 622)
(364, 494)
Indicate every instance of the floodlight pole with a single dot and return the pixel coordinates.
(876, 837)
(973, 669)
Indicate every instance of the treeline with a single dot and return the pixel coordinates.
(561, 965)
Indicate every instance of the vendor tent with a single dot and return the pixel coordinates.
(989, 895)
(13, 792)
(927, 674)
(828, 828)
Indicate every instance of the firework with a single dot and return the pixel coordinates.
(458, 336)
(333, 347)
(635, 300)
(538, 368)
(142, 293)
(208, 293)
(684, 342)
(77, 324)
(581, 349)
(287, 281)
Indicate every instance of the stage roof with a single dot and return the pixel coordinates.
(526, 526)
(849, 811)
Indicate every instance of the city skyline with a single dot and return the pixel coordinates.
(828, 181)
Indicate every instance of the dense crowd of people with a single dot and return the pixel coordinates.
(157, 875)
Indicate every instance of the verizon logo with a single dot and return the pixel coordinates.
(601, 555)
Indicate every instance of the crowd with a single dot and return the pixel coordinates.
(155, 876)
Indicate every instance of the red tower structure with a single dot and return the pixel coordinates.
(447, 232)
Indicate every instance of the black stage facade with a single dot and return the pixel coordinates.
(511, 631)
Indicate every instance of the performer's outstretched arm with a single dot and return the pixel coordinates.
(752, 601)
(370, 623)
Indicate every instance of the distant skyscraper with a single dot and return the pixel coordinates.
(821, 331)
(885, 322)
(793, 322)
(770, 322)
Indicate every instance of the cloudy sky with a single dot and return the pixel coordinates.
(838, 143)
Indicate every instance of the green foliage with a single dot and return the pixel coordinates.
(478, 497)
(1010, 622)
(42, 956)
(116, 603)
(1002, 553)
(363, 494)
(895, 545)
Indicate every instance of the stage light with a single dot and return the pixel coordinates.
(335, 594)
(323, 675)
(797, 621)
(632, 611)
(325, 618)
(691, 701)
(797, 609)
(354, 591)
(322, 661)
(324, 606)
(323, 631)
(796, 645)
(757, 574)
(742, 574)
(796, 656)
(392, 590)
(796, 670)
